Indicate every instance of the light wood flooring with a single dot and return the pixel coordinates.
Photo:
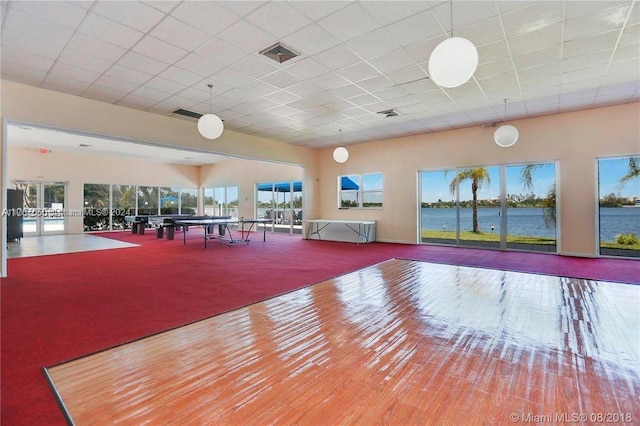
(398, 343)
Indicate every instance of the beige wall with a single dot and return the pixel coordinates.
(574, 140)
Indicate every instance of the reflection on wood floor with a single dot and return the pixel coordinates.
(402, 342)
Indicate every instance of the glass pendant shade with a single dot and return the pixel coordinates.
(340, 154)
(506, 135)
(453, 62)
(210, 126)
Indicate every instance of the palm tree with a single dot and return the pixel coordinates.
(549, 209)
(478, 177)
(634, 170)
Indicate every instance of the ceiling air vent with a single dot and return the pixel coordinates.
(388, 113)
(187, 113)
(278, 53)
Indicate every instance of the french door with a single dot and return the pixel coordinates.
(43, 208)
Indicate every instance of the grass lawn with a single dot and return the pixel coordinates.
(516, 239)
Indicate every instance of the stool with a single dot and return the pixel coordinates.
(159, 231)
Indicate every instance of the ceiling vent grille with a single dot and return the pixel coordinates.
(388, 113)
(278, 53)
(187, 113)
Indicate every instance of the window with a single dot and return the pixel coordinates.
(360, 191)
(221, 201)
(619, 206)
(96, 207)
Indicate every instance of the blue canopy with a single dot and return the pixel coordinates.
(348, 184)
(280, 187)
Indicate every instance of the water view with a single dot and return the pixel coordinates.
(527, 221)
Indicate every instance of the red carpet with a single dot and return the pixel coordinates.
(59, 307)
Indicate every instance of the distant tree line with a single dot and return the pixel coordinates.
(612, 200)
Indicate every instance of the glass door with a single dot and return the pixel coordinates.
(43, 208)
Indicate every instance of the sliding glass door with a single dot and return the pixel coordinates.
(44, 208)
(619, 206)
(506, 207)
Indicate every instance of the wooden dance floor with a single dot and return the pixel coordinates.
(401, 342)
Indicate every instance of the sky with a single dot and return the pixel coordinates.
(435, 185)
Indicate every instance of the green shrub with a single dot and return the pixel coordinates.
(627, 239)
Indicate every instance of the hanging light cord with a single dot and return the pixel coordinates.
(451, 13)
(505, 110)
(210, 88)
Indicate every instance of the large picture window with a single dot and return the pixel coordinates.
(619, 206)
(105, 206)
(360, 191)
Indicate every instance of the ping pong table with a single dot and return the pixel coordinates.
(224, 229)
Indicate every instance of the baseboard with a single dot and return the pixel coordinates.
(587, 255)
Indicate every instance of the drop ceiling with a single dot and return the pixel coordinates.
(355, 59)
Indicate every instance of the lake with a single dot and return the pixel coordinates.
(528, 221)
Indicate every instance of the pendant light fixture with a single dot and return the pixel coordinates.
(506, 135)
(210, 125)
(340, 154)
(453, 61)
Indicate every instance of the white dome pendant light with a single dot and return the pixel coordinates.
(506, 135)
(340, 154)
(210, 125)
(454, 61)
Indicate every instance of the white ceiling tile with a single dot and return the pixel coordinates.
(199, 65)
(491, 69)
(220, 51)
(180, 76)
(597, 61)
(74, 72)
(391, 61)
(207, 16)
(67, 14)
(241, 96)
(179, 34)
(116, 84)
(306, 68)
(581, 46)
(627, 53)
(128, 74)
(415, 28)
(165, 6)
(364, 100)
(160, 50)
(26, 59)
(256, 66)
(506, 82)
(465, 13)
(407, 74)
(310, 40)
(349, 22)
(81, 60)
(96, 47)
(260, 88)
(539, 57)
(536, 40)
(35, 28)
(388, 12)
(64, 84)
(359, 71)
(532, 17)
(540, 72)
(164, 85)
(575, 9)
(347, 91)
(329, 80)
(304, 89)
(376, 83)
(232, 77)
(484, 32)
(16, 71)
(631, 34)
(247, 36)
(283, 97)
(142, 63)
(602, 22)
(493, 52)
(133, 14)
(316, 10)
(107, 30)
(373, 44)
(337, 57)
(278, 18)
(241, 8)
(31, 45)
(136, 102)
(150, 93)
(281, 79)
